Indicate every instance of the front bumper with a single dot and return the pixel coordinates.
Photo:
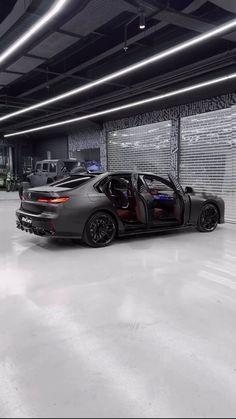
(40, 225)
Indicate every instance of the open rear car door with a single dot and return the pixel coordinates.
(141, 209)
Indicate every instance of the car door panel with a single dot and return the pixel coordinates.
(141, 203)
(163, 201)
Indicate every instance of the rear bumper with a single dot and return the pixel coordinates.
(44, 225)
(35, 224)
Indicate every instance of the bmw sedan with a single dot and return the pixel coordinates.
(99, 208)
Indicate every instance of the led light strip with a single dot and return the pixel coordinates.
(171, 51)
(58, 6)
(128, 106)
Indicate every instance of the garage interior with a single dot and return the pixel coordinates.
(144, 327)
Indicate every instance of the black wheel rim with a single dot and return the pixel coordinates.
(102, 230)
(209, 218)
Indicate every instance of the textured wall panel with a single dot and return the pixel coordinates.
(145, 148)
(206, 155)
(86, 139)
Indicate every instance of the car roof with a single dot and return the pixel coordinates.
(103, 176)
(130, 173)
(47, 161)
(57, 160)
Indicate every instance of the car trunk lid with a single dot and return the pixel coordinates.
(30, 201)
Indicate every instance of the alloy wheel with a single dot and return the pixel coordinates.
(209, 218)
(102, 230)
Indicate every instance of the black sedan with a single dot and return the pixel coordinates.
(98, 208)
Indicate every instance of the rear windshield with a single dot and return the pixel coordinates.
(72, 182)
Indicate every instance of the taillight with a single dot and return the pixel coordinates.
(61, 200)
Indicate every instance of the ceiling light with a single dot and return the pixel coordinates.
(171, 51)
(128, 106)
(142, 21)
(59, 4)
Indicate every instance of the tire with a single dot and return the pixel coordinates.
(100, 230)
(49, 181)
(208, 219)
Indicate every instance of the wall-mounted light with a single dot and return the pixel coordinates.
(142, 21)
(197, 40)
(129, 105)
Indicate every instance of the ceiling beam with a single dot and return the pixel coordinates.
(17, 12)
(71, 76)
(185, 21)
(47, 31)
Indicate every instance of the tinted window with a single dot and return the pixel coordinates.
(72, 182)
(155, 186)
(52, 167)
(45, 167)
(123, 182)
(69, 165)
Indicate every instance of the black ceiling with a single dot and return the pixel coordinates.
(5, 8)
(87, 42)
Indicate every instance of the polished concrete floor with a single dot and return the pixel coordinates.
(144, 328)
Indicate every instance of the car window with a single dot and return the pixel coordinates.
(52, 167)
(156, 187)
(70, 165)
(122, 183)
(45, 167)
(38, 167)
(72, 182)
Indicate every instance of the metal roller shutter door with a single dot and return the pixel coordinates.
(144, 148)
(207, 156)
(234, 161)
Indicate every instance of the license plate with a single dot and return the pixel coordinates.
(26, 220)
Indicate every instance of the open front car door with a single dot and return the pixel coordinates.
(176, 184)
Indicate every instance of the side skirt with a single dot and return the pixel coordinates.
(138, 232)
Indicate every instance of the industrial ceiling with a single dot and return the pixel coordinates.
(92, 38)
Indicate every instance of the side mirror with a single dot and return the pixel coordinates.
(189, 190)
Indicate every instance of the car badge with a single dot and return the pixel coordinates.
(29, 195)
